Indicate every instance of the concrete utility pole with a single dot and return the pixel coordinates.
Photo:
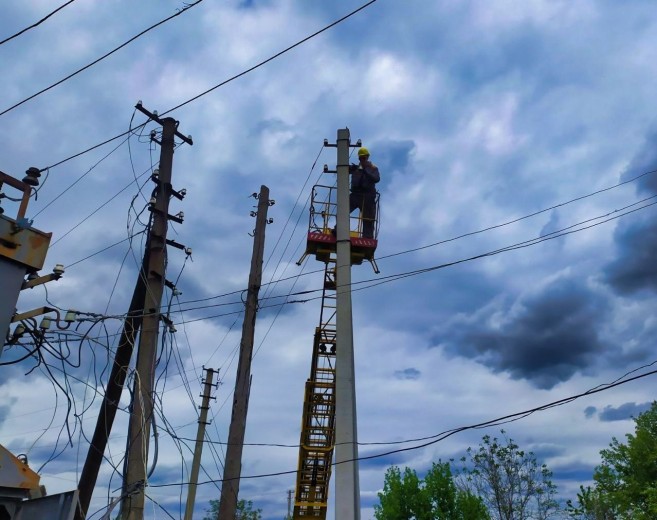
(198, 448)
(289, 504)
(347, 487)
(142, 405)
(233, 466)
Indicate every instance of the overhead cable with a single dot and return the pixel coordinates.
(406, 274)
(278, 54)
(181, 11)
(561, 204)
(218, 85)
(36, 24)
(448, 433)
(452, 239)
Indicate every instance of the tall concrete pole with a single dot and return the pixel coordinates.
(233, 466)
(198, 448)
(347, 487)
(142, 405)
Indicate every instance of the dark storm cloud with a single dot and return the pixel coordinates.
(644, 161)
(551, 336)
(4, 411)
(552, 225)
(634, 268)
(408, 373)
(590, 411)
(392, 156)
(622, 412)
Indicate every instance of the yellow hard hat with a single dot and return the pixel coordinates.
(363, 152)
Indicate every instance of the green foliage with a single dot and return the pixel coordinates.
(625, 483)
(244, 511)
(406, 497)
(592, 505)
(512, 484)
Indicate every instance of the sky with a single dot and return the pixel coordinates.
(493, 124)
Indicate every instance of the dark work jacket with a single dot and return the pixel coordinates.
(363, 180)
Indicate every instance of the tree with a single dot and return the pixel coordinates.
(405, 497)
(510, 481)
(625, 483)
(244, 511)
(591, 505)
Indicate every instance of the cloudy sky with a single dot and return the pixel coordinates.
(477, 113)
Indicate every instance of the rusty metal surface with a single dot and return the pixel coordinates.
(24, 245)
(21, 186)
(16, 474)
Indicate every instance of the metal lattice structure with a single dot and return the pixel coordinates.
(318, 422)
(317, 440)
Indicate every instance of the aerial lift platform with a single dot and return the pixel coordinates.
(318, 419)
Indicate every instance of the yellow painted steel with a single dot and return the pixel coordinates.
(318, 419)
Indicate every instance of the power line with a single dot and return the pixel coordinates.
(36, 24)
(373, 282)
(429, 437)
(216, 86)
(81, 177)
(181, 11)
(518, 245)
(561, 204)
(406, 274)
(448, 433)
(452, 239)
(147, 170)
(300, 42)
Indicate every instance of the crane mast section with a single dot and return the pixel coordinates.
(318, 419)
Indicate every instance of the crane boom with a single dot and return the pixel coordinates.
(318, 418)
(317, 440)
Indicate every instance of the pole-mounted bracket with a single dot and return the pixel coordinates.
(175, 244)
(33, 280)
(358, 144)
(155, 117)
(178, 219)
(180, 195)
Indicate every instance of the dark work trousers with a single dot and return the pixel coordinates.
(367, 204)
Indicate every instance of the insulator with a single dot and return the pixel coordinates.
(45, 323)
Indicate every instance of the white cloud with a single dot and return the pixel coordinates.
(508, 108)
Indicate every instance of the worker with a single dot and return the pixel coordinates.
(364, 176)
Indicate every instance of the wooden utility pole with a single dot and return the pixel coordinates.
(142, 404)
(112, 396)
(198, 448)
(233, 466)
